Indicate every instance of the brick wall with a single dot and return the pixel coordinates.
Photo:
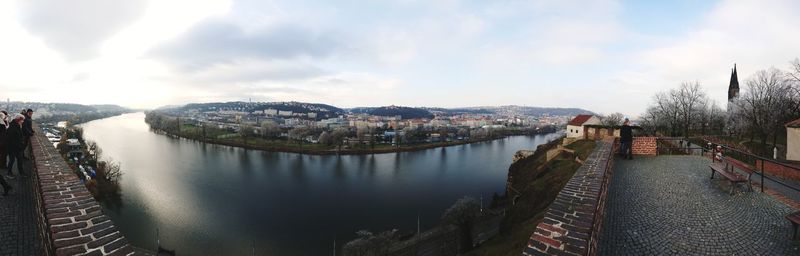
(573, 221)
(779, 170)
(74, 221)
(645, 146)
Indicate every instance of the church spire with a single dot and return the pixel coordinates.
(733, 87)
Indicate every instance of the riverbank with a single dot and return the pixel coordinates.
(314, 149)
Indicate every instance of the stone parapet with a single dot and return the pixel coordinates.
(572, 223)
(75, 223)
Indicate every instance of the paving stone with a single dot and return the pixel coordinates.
(668, 205)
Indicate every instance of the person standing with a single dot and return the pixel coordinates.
(626, 139)
(3, 128)
(27, 131)
(15, 145)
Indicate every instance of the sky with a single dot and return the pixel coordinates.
(601, 55)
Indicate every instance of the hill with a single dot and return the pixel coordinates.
(75, 113)
(403, 112)
(322, 110)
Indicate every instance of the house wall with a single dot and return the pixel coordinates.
(574, 131)
(793, 144)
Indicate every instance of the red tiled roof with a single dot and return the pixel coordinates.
(795, 123)
(579, 120)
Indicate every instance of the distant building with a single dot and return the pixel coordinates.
(271, 112)
(733, 94)
(284, 113)
(733, 86)
(575, 127)
(793, 140)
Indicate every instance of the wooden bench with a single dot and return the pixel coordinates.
(727, 167)
(794, 218)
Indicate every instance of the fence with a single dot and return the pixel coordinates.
(678, 146)
(759, 164)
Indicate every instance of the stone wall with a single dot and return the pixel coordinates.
(645, 146)
(573, 222)
(75, 223)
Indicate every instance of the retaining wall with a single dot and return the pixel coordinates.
(573, 222)
(73, 221)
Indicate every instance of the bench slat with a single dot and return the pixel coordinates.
(734, 177)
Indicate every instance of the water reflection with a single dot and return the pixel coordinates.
(215, 200)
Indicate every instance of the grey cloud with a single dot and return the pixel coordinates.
(76, 28)
(218, 41)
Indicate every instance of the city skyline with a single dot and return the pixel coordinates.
(603, 56)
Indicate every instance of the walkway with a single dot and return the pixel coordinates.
(18, 235)
(667, 205)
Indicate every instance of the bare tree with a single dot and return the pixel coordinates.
(94, 150)
(766, 104)
(109, 170)
(613, 119)
(325, 138)
(270, 129)
(370, 244)
(339, 135)
(463, 215)
(688, 98)
(299, 134)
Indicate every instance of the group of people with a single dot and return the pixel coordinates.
(15, 136)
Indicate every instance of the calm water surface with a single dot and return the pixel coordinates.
(207, 199)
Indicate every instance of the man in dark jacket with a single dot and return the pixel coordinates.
(625, 140)
(27, 131)
(15, 145)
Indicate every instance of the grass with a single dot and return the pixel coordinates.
(582, 148)
(509, 244)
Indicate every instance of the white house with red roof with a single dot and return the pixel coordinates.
(793, 140)
(575, 127)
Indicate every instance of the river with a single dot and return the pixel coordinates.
(206, 199)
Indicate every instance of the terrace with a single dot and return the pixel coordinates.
(662, 204)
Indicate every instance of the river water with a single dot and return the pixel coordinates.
(205, 199)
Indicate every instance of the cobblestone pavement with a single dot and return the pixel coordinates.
(668, 205)
(18, 235)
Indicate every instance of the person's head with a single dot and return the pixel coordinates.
(19, 118)
(626, 122)
(29, 112)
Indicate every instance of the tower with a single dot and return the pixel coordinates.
(733, 87)
(733, 93)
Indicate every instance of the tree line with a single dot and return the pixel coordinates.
(769, 100)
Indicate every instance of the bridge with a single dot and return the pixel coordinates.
(52, 213)
(665, 205)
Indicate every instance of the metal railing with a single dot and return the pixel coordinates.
(755, 161)
(678, 146)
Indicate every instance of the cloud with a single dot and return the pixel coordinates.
(248, 71)
(220, 41)
(753, 34)
(77, 28)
